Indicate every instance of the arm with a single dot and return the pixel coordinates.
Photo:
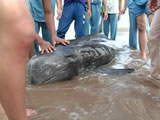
(59, 4)
(124, 7)
(49, 18)
(104, 2)
(50, 23)
(59, 8)
(44, 45)
(153, 5)
(89, 8)
(120, 8)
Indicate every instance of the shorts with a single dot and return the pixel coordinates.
(140, 9)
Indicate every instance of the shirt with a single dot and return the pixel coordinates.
(130, 4)
(36, 9)
(112, 6)
(140, 2)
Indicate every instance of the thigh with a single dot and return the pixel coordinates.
(66, 18)
(15, 41)
(141, 23)
(95, 14)
(45, 32)
(113, 19)
(132, 21)
(155, 27)
(37, 26)
(79, 15)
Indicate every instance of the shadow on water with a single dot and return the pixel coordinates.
(100, 94)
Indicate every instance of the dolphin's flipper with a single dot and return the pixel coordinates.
(114, 71)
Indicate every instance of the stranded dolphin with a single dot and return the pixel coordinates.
(68, 61)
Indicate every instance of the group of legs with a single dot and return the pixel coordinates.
(16, 37)
(137, 20)
(137, 17)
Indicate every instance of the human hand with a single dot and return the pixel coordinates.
(59, 13)
(105, 16)
(46, 47)
(152, 5)
(123, 11)
(119, 15)
(59, 40)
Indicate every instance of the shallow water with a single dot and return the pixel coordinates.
(100, 96)
(97, 96)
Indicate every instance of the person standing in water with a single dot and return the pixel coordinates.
(15, 44)
(37, 12)
(111, 23)
(154, 40)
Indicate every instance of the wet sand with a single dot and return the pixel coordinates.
(97, 96)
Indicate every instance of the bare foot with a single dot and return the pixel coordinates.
(143, 56)
(29, 112)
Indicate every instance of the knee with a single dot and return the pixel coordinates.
(29, 37)
(25, 39)
(141, 26)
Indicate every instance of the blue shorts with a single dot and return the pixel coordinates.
(140, 9)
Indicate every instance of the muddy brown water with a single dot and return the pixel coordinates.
(100, 96)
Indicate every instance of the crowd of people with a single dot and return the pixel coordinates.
(17, 33)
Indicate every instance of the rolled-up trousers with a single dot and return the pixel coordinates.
(154, 45)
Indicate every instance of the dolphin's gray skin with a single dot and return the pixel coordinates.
(68, 61)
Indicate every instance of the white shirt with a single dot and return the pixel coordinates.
(112, 6)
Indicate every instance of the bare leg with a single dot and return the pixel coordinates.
(150, 16)
(1, 110)
(142, 35)
(16, 35)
